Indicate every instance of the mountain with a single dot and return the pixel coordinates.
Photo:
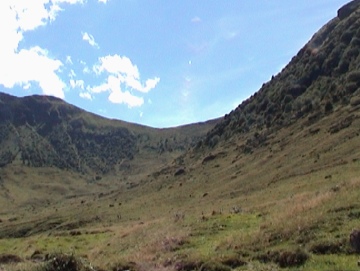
(41, 131)
(273, 185)
(323, 77)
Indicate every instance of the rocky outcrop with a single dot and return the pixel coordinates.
(349, 8)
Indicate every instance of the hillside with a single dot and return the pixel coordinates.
(40, 131)
(43, 139)
(271, 186)
(322, 77)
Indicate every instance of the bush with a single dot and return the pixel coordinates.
(327, 247)
(288, 108)
(287, 99)
(351, 87)
(9, 258)
(354, 76)
(120, 266)
(285, 258)
(354, 101)
(346, 37)
(64, 262)
(328, 107)
(214, 266)
(289, 258)
(214, 141)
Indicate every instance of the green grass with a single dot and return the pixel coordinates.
(299, 191)
(216, 236)
(49, 244)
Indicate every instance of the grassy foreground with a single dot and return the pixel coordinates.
(284, 206)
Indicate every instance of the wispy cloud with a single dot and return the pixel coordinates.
(90, 39)
(103, 1)
(69, 60)
(85, 95)
(77, 84)
(21, 67)
(122, 73)
(196, 19)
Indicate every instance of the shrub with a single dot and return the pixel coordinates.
(214, 266)
(328, 107)
(288, 108)
(9, 258)
(64, 262)
(285, 258)
(327, 248)
(354, 76)
(346, 37)
(233, 262)
(120, 266)
(214, 141)
(289, 258)
(287, 99)
(187, 266)
(354, 101)
(351, 87)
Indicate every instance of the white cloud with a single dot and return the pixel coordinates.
(77, 84)
(116, 64)
(126, 97)
(86, 69)
(196, 19)
(135, 84)
(32, 65)
(27, 86)
(103, 1)
(86, 95)
(113, 86)
(121, 72)
(72, 74)
(69, 60)
(90, 39)
(21, 67)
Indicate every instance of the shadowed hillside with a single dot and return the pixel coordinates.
(40, 131)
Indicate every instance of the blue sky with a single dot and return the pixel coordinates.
(157, 63)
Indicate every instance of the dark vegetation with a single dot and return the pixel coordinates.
(324, 75)
(44, 131)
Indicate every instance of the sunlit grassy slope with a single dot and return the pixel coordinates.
(298, 193)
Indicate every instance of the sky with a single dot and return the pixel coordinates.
(155, 63)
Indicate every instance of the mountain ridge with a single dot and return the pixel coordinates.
(46, 131)
(309, 86)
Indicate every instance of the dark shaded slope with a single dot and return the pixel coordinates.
(45, 131)
(41, 131)
(324, 75)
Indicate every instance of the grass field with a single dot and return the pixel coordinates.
(290, 204)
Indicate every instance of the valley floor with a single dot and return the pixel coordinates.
(290, 204)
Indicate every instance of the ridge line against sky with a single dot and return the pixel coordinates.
(155, 63)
